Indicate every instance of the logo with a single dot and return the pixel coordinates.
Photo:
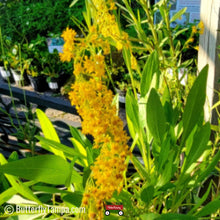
(118, 208)
(9, 209)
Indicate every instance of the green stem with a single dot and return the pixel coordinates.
(145, 153)
(1, 40)
(146, 7)
(110, 78)
(132, 82)
(167, 21)
(178, 203)
(173, 54)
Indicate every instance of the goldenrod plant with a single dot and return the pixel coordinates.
(176, 157)
(175, 152)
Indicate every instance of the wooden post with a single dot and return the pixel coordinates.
(208, 53)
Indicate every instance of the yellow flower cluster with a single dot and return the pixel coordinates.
(68, 48)
(93, 102)
(106, 22)
(195, 29)
(199, 28)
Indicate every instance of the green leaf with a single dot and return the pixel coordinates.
(31, 216)
(127, 58)
(76, 134)
(202, 200)
(178, 15)
(164, 154)
(155, 116)
(151, 67)
(91, 155)
(142, 103)
(180, 32)
(74, 198)
(209, 168)
(149, 216)
(125, 198)
(48, 130)
(199, 145)
(4, 184)
(210, 208)
(86, 174)
(17, 184)
(73, 3)
(79, 148)
(46, 168)
(132, 114)
(48, 189)
(13, 156)
(167, 173)
(140, 169)
(194, 104)
(147, 194)
(76, 178)
(57, 146)
(171, 216)
(7, 194)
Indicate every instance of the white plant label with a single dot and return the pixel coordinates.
(53, 85)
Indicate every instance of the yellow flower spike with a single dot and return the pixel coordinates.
(196, 48)
(201, 27)
(93, 102)
(68, 35)
(194, 29)
(112, 6)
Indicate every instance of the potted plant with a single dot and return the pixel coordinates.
(122, 83)
(19, 63)
(36, 52)
(37, 80)
(4, 64)
(122, 88)
(5, 70)
(54, 71)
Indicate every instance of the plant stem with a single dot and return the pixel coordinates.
(146, 7)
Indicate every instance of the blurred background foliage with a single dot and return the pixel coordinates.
(25, 19)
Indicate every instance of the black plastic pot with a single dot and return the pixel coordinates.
(38, 83)
(56, 83)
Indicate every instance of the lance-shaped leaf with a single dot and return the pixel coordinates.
(132, 114)
(199, 145)
(151, 67)
(50, 169)
(155, 116)
(194, 104)
(49, 131)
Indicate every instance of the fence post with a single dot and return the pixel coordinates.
(208, 53)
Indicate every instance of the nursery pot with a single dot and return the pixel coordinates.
(5, 74)
(56, 83)
(38, 83)
(20, 79)
(122, 96)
